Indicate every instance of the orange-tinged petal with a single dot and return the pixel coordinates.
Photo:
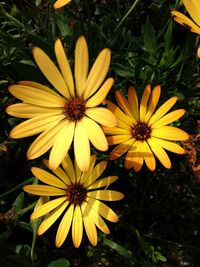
(185, 21)
(44, 141)
(44, 190)
(97, 73)
(124, 104)
(81, 147)
(117, 139)
(144, 101)
(81, 64)
(106, 181)
(193, 8)
(50, 71)
(135, 157)
(47, 207)
(47, 178)
(102, 115)
(59, 172)
(89, 226)
(107, 195)
(159, 152)
(170, 117)
(64, 66)
(170, 133)
(96, 173)
(198, 52)
(121, 149)
(148, 156)
(163, 109)
(35, 96)
(35, 125)
(133, 102)
(103, 209)
(25, 111)
(60, 3)
(101, 94)
(64, 226)
(77, 227)
(51, 218)
(153, 101)
(95, 134)
(61, 145)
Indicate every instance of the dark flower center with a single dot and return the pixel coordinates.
(76, 194)
(141, 131)
(74, 109)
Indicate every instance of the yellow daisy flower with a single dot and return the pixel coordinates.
(193, 8)
(60, 3)
(78, 198)
(68, 113)
(143, 133)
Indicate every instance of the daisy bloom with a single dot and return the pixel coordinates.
(193, 8)
(60, 3)
(69, 112)
(77, 197)
(143, 133)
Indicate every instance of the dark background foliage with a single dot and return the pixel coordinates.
(160, 215)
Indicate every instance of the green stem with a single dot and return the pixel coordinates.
(127, 14)
(30, 180)
(25, 210)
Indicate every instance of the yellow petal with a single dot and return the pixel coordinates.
(103, 210)
(51, 218)
(170, 133)
(22, 110)
(60, 3)
(133, 102)
(85, 175)
(50, 71)
(64, 66)
(35, 96)
(159, 152)
(89, 226)
(101, 94)
(81, 147)
(47, 207)
(163, 109)
(193, 8)
(171, 146)
(69, 168)
(81, 64)
(35, 125)
(59, 172)
(107, 195)
(44, 190)
(61, 145)
(95, 134)
(77, 227)
(117, 139)
(148, 156)
(121, 149)
(198, 52)
(95, 217)
(102, 115)
(135, 157)
(103, 182)
(97, 73)
(96, 173)
(170, 117)
(115, 130)
(153, 101)
(124, 104)
(48, 178)
(144, 101)
(123, 120)
(185, 21)
(44, 141)
(64, 226)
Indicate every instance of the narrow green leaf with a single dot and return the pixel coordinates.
(149, 38)
(59, 263)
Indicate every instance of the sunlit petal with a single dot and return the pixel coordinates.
(144, 101)
(60, 3)
(102, 115)
(170, 133)
(96, 172)
(44, 190)
(107, 195)
(133, 102)
(103, 182)
(153, 101)
(170, 117)
(77, 227)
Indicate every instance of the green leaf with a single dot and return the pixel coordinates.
(159, 256)
(59, 263)
(119, 249)
(168, 38)
(149, 38)
(38, 2)
(123, 71)
(62, 25)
